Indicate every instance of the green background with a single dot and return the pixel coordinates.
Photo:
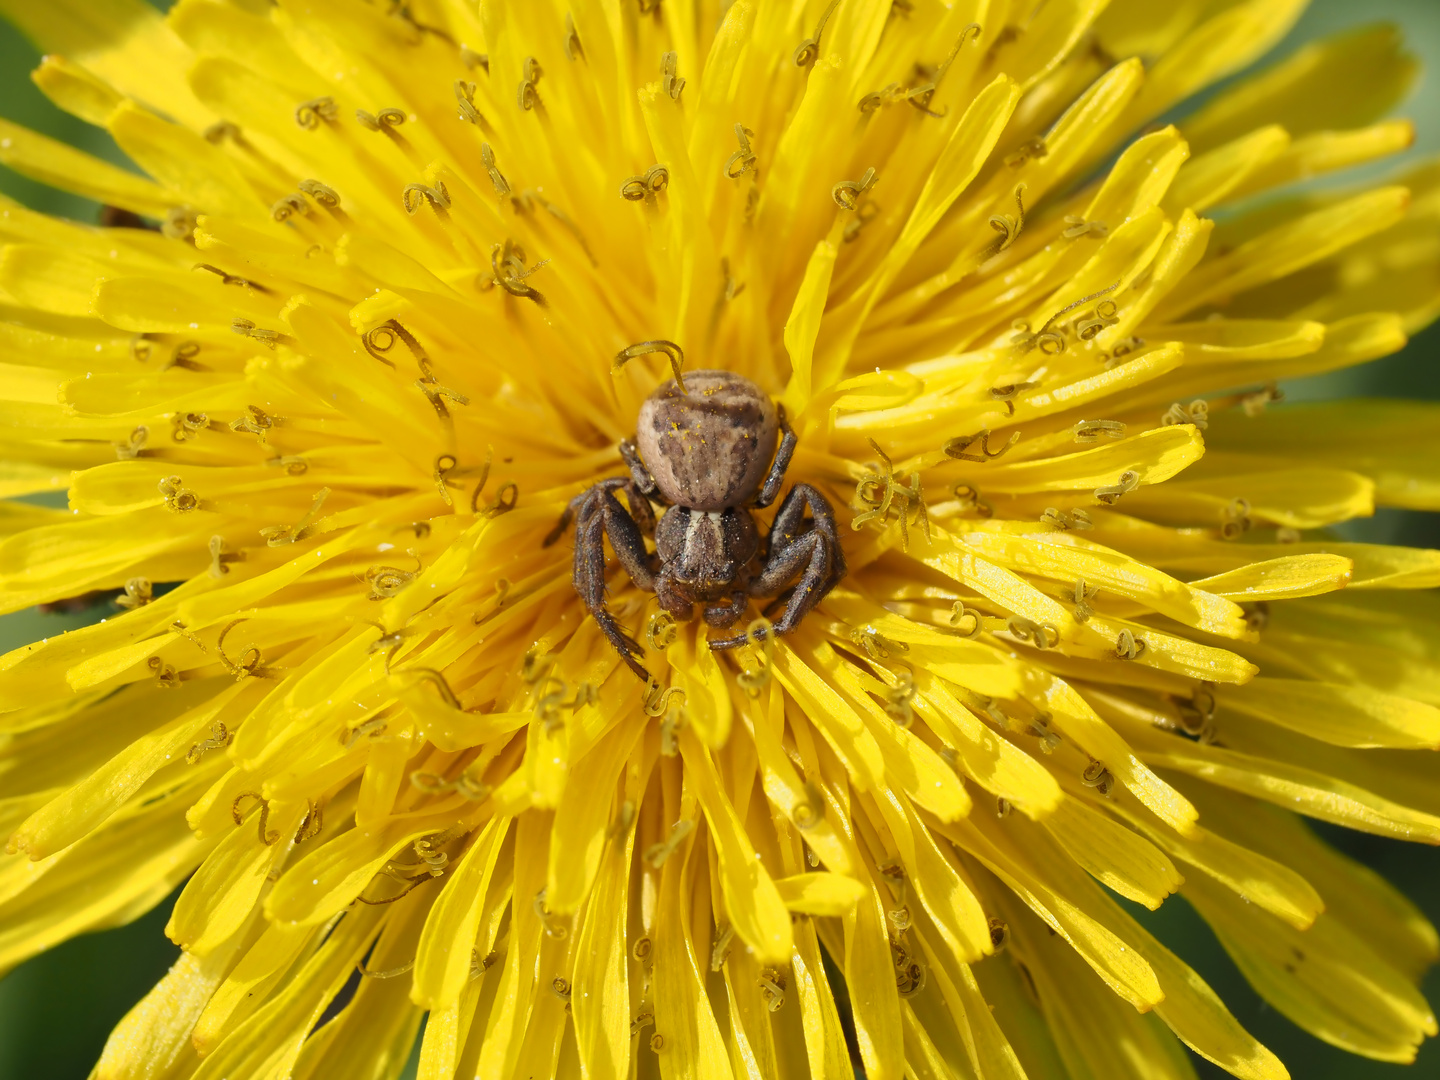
(56, 1010)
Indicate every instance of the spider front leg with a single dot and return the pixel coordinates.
(598, 514)
(781, 464)
(809, 550)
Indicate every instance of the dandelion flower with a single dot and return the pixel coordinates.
(317, 421)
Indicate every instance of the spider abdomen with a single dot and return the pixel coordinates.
(708, 448)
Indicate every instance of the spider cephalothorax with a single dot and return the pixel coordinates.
(709, 452)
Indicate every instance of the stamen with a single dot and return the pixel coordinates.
(1032, 149)
(661, 630)
(1063, 521)
(646, 186)
(720, 952)
(810, 811)
(560, 987)
(1103, 316)
(970, 500)
(1008, 227)
(1097, 776)
(289, 205)
(999, 935)
(1254, 404)
(761, 636)
(921, 96)
(180, 224)
(549, 702)
(505, 500)
(744, 158)
(879, 490)
(218, 132)
(911, 980)
(554, 928)
(178, 499)
(392, 973)
(308, 114)
(497, 179)
(1109, 494)
(436, 395)
(219, 736)
(670, 83)
(772, 989)
(219, 560)
(1122, 348)
(382, 339)
(471, 59)
(246, 328)
(183, 355)
(657, 1041)
(1090, 431)
(671, 351)
(1083, 595)
(643, 1020)
(959, 613)
(311, 823)
(166, 677)
(398, 896)
(1235, 519)
(1002, 807)
(258, 423)
(1077, 227)
(656, 700)
(188, 425)
(876, 647)
(641, 952)
(957, 447)
(1286, 535)
(573, 49)
(129, 451)
(865, 213)
(1038, 634)
(899, 700)
(387, 581)
(249, 662)
(527, 97)
(465, 101)
(1051, 341)
(1009, 392)
(808, 51)
(443, 465)
(656, 854)
(267, 838)
(323, 194)
(1040, 728)
(293, 465)
(384, 119)
(507, 261)
(1128, 646)
(229, 279)
(847, 192)
(138, 593)
(1197, 413)
(276, 535)
(468, 786)
(374, 726)
(417, 195)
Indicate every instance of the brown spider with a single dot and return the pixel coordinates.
(703, 452)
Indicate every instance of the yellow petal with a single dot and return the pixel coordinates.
(1285, 578)
(1113, 854)
(1338, 714)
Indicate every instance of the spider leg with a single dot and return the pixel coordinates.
(778, 467)
(725, 614)
(639, 473)
(599, 515)
(811, 552)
